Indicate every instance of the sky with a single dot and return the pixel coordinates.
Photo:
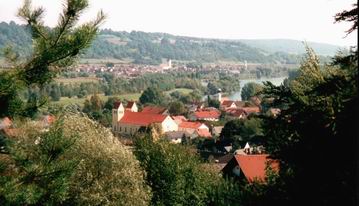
(309, 20)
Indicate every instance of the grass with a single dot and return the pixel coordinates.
(132, 97)
(184, 91)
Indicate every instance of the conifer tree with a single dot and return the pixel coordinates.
(53, 50)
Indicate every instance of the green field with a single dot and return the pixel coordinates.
(184, 91)
(129, 97)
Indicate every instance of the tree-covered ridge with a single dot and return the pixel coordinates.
(291, 46)
(151, 48)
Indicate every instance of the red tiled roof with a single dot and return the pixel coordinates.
(116, 105)
(249, 110)
(208, 114)
(191, 125)
(227, 103)
(254, 166)
(129, 105)
(235, 112)
(140, 118)
(204, 133)
(179, 118)
(153, 110)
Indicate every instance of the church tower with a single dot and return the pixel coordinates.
(117, 113)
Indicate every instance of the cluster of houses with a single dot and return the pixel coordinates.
(123, 70)
(249, 163)
(128, 120)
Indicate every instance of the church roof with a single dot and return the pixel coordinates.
(142, 119)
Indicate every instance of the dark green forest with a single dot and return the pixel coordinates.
(151, 48)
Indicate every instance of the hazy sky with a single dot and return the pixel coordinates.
(310, 20)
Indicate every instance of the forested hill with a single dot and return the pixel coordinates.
(291, 46)
(151, 48)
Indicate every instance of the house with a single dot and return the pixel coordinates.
(196, 128)
(227, 104)
(177, 136)
(236, 113)
(251, 167)
(195, 106)
(216, 131)
(128, 122)
(205, 115)
(155, 110)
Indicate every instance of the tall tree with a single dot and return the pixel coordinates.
(177, 108)
(174, 173)
(318, 117)
(53, 49)
(152, 96)
(250, 89)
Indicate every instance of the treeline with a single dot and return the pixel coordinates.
(110, 85)
(151, 48)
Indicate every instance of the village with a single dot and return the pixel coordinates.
(249, 161)
(130, 70)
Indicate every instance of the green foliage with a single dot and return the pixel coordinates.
(55, 93)
(52, 50)
(10, 102)
(250, 89)
(152, 96)
(213, 102)
(108, 172)
(109, 64)
(240, 131)
(177, 108)
(349, 16)
(37, 172)
(317, 117)
(60, 167)
(212, 88)
(174, 173)
(146, 48)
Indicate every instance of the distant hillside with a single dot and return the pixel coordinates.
(151, 48)
(291, 46)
